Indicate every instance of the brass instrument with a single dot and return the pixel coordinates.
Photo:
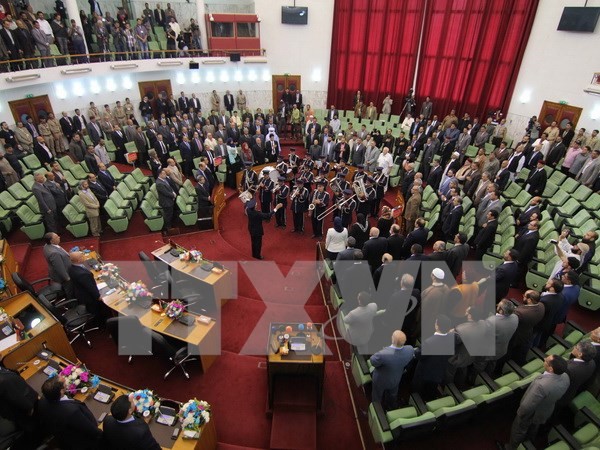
(295, 193)
(335, 186)
(246, 196)
(277, 187)
(359, 188)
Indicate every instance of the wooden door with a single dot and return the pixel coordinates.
(35, 107)
(281, 83)
(559, 113)
(152, 89)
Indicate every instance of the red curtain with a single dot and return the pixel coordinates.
(469, 61)
(373, 50)
(471, 54)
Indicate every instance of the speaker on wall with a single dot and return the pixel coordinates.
(194, 65)
(234, 57)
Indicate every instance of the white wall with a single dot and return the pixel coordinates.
(557, 66)
(294, 49)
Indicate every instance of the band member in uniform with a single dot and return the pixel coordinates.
(360, 173)
(341, 168)
(281, 191)
(320, 199)
(323, 173)
(365, 203)
(282, 166)
(255, 227)
(294, 162)
(308, 162)
(380, 184)
(299, 200)
(338, 186)
(348, 208)
(265, 187)
(249, 179)
(307, 177)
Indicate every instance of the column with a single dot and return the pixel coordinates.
(201, 21)
(73, 13)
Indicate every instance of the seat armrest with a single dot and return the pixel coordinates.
(517, 369)
(489, 382)
(571, 324)
(362, 362)
(555, 337)
(567, 437)
(589, 415)
(66, 302)
(455, 392)
(419, 403)
(537, 352)
(41, 280)
(381, 417)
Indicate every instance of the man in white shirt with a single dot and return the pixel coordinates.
(335, 124)
(101, 153)
(385, 161)
(45, 26)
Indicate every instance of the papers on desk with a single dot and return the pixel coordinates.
(101, 286)
(8, 342)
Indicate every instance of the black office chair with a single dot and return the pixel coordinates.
(74, 317)
(131, 337)
(158, 278)
(52, 291)
(178, 355)
(9, 433)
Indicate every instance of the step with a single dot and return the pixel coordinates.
(297, 392)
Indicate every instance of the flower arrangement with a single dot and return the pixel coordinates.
(2, 284)
(137, 291)
(175, 309)
(109, 270)
(193, 414)
(78, 378)
(145, 402)
(191, 256)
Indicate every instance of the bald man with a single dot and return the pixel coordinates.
(84, 285)
(389, 365)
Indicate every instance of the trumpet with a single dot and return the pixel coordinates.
(295, 193)
(276, 188)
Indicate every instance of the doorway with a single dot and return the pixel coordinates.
(280, 84)
(559, 113)
(152, 89)
(35, 107)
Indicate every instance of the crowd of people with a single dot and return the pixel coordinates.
(99, 33)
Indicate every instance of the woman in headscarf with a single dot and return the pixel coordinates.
(234, 164)
(336, 239)
(385, 222)
(247, 155)
(359, 231)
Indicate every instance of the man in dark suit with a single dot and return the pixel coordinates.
(537, 405)
(435, 175)
(395, 242)
(389, 365)
(506, 273)
(408, 181)
(502, 176)
(580, 369)
(122, 431)
(166, 199)
(70, 421)
(94, 130)
(416, 236)
(229, 102)
(90, 159)
(17, 403)
(556, 152)
(532, 212)
(431, 369)
(530, 313)
(552, 300)
(46, 202)
(457, 254)
(536, 181)
(84, 286)
(203, 195)
(119, 139)
(106, 179)
(451, 224)
(255, 226)
(15, 53)
(41, 150)
(504, 323)
(79, 121)
(526, 243)
(374, 249)
(67, 126)
(348, 253)
(485, 238)
(58, 262)
(98, 188)
(160, 146)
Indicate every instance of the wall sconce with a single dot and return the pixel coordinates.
(170, 63)
(123, 66)
(211, 18)
(75, 71)
(32, 76)
(255, 60)
(258, 18)
(214, 61)
(525, 96)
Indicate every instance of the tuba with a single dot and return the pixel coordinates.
(335, 186)
(246, 196)
(359, 189)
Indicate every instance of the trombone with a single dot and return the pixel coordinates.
(358, 188)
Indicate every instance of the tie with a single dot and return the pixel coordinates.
(162, 146)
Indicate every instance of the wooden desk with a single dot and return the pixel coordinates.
(9, 266)
(206, 338)
(307, 363)
(219, 285)
(49, 331)
(34, 375)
